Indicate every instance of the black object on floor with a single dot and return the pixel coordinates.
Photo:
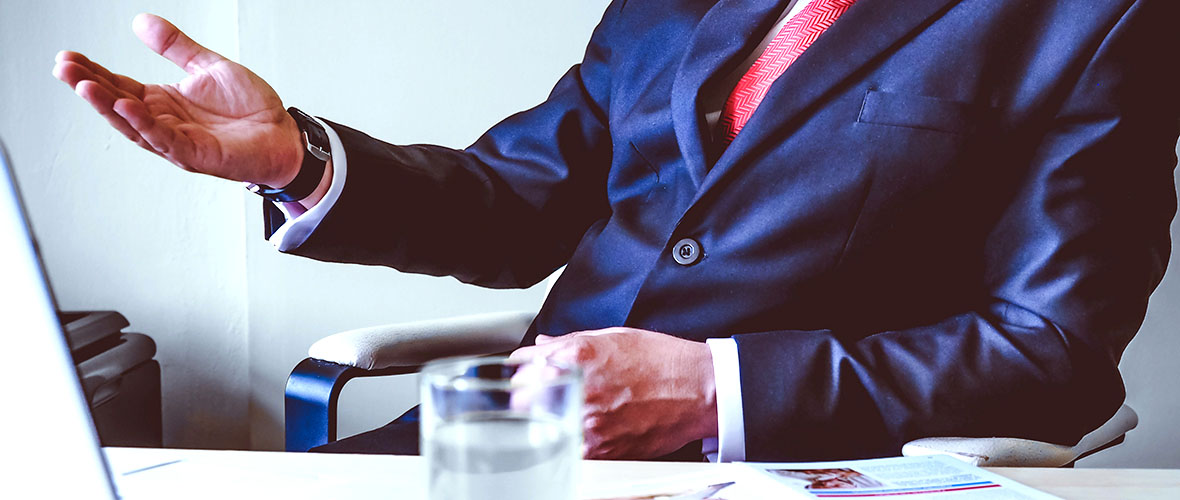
(119, 377)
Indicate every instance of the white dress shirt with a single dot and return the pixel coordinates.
(730, 443)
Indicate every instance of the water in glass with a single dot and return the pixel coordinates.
(498, 456)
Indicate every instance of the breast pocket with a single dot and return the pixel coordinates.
(921, 112)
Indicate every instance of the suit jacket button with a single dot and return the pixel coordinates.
(686, 252)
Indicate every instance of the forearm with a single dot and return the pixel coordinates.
(433, 210)
(1000, 372)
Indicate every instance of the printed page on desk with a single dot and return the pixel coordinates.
(929, 477)
(934, 477)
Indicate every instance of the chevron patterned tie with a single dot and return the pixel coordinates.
(787, 45)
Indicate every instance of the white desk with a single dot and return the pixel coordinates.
(252, 474)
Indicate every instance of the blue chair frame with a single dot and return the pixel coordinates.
(312, 393)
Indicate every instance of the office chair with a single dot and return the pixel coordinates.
(314, 387)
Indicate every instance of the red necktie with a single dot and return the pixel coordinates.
(787, 45)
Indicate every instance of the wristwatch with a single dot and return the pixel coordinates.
(311, 171)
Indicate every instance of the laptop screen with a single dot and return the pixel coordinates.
(50, 447)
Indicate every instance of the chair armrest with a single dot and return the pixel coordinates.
(1014, 452)
(416, 343)
(314, 386)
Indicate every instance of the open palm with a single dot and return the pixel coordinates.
(221, 119)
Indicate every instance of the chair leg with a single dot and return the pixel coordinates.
(311, 396)
(1111, 444)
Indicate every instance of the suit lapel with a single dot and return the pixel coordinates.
(868, 29)
(729, 30)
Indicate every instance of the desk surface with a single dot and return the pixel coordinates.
(251, 474)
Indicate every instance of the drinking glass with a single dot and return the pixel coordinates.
(495, 429)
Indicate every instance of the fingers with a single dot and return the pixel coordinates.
(160, 133)
(93, 83)
(528, 353)
(167, 40)
(560, 352)
(103, 101)
(120, 99)
(544, 347)
(73, 73)
(72, 67)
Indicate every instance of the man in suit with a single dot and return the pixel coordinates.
(889, 219)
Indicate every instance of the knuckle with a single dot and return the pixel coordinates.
(593, 423)
(170, 41)
(163, 148)
(583, 349)
(603, 450)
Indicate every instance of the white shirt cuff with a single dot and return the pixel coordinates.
(301, 223)
(730, 444)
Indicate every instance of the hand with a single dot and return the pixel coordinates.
(221, 120)
(647, 393)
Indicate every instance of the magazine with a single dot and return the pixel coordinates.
(925, 477)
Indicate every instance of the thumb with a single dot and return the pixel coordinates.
(167, 40)
(544, 339)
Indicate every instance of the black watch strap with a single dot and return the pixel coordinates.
(316, 154)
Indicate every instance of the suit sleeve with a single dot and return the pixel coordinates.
(504, 212)
(1069, 268)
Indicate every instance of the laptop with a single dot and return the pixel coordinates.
(50, 445)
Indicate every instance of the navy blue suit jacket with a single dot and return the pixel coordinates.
(944, 219)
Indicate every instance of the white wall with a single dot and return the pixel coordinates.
(1151, 371)
(121, 229)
